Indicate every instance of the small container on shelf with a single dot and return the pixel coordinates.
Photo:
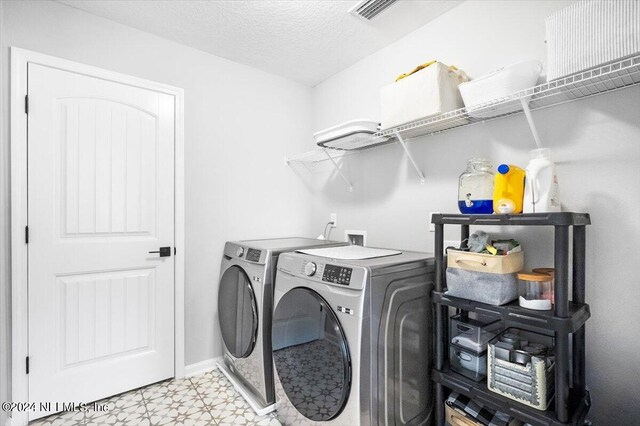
(551, 272)
(521, 366)
(468, 363)
(473, 333)
(535, 291)
(468, 349)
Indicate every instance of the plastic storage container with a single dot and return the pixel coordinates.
(428, 92)
(521, 366)
(473, 333)
(535, 291)
(350, 135)
(498, 85)
(590, 33)
(541, 192)
(468, 363)
(475, 188)
(508, 191)
(468, 349)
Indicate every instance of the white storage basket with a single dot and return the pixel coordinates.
(591, 33)
(428, 92)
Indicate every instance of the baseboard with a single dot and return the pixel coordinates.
(201, 367)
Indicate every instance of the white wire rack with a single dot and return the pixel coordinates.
(596, 81)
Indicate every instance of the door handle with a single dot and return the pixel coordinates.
(163, 251)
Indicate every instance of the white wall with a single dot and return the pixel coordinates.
(594, 141)
(239, 123)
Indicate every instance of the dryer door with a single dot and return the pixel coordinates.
(238, 312)
(311, 354)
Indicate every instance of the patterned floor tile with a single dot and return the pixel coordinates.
(114, 403)
(133, 415)
(204, 400)
(188, 412)
(236, 412)
(168, 387)
(72, 418)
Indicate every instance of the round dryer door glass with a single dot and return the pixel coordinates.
(238, 312)
(311, 354)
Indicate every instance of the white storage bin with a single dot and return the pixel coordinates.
(349, 135)
(499, 84)
(428, 92)
(590, 33)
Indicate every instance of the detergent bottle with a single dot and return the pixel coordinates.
(508, 189)
(541, 192)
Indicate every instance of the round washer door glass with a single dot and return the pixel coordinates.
(311, 354)
(238, 312)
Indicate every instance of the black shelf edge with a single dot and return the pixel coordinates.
(479, 391)
(514, 314)
(540, 219)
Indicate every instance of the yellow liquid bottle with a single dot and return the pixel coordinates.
(508, 189)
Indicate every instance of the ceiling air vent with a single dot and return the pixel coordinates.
(369, 9)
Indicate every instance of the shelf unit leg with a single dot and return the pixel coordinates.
(439, 317)
(439, 408)
(527, 112)
(406, 150)
(562, 377)
(579, 295)
(561, 265)
(344, 178)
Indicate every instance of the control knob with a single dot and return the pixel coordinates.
(240, 252)
(310, 269)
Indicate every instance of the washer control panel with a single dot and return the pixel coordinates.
(253, 255)
(337, 274)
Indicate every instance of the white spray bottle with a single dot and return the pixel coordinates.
(541, 193)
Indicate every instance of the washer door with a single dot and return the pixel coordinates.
(311, 354)
(238, 312)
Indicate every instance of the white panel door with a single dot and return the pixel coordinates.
(101, 198)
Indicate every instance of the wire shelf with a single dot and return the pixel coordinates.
(602, 79)
(317, 155)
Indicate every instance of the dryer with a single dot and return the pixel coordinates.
(352, 339)
(245, 300)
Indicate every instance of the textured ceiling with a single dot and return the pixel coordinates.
(303, 40)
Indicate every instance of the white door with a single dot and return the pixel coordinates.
(101, 198)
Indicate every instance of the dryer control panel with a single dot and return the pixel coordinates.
(337, 274)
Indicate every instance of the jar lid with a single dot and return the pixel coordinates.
(534, 276)
(548, 271)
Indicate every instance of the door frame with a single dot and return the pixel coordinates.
(19, 214)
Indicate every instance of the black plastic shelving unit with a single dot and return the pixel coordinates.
(566, 322)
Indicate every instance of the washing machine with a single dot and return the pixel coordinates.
(245, 301)
(352, 337)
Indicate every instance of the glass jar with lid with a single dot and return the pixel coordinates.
(475, 188)
(535, 290)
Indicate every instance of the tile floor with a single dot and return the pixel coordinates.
(207, 399)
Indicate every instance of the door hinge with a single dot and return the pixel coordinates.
(26, 104)
(26, 235)
(27, 365)
(175, 251)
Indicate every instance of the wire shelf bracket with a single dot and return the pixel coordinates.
(337, 167)
(406, 150)
(527, 112)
